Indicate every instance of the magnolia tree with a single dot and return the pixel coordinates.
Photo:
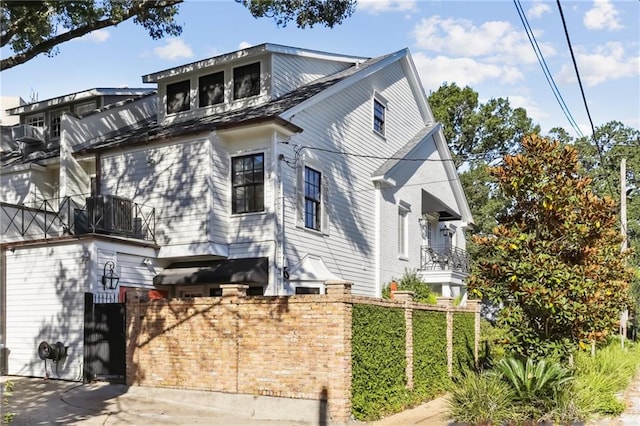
(554, 259)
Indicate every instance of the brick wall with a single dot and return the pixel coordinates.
(293, 347)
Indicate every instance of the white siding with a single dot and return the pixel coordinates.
(291, 72)
(344, 123)
(411, 178)
(133, 272)
(174, 179)
(15, 186)
(45, 302)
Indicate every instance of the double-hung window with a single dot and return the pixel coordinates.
(312, 199)
(247, 181)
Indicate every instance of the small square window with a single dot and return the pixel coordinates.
(378, 116)
(246, 81)
(178, 98)
(211, 89)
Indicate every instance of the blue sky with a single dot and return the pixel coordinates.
(477, 43)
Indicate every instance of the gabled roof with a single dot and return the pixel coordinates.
(400, 154)
(385, 171)
(270, 111)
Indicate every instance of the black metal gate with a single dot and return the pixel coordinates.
(104, 341)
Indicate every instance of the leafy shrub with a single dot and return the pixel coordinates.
(378, 362)
(492, 340)
(483, 399)
(599, 379)
(411, 281)
(430, 374)
(535, 384)
(464, 324)
(7, 416)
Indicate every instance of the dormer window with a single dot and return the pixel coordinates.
(211, 89)
(178, 98)
(246, 81)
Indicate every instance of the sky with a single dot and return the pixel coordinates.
(479, 44)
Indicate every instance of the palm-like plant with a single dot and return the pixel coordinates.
(535, 384)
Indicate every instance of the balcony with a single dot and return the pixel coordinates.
(443, 258)
(102, 214)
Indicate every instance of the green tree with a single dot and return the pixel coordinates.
(478, 134)
(303, 12)
(30, 28)
(554, 258)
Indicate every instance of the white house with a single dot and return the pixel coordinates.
(273, 166)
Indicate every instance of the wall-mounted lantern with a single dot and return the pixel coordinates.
(109, 277)
(447, 231)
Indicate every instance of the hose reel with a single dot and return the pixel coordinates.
(55, 352)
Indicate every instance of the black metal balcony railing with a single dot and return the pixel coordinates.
(103, 214)
(444, 258)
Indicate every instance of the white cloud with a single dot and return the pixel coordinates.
(463, 71)
(244, 45)
(534, 111)
(97, 36)
(175, 48)
(376, 7)
(603, 16)
(538, 9)
(497, 41)
(606, 62)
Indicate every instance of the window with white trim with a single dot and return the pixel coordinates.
(246, 81)
(247, 182)
(178, 97)
(35, 120)
(211, 89)
(55, 117)
(403, 231)
(379, 113)
(312, 198)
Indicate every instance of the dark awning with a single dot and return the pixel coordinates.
(253, 270)
(432, 204)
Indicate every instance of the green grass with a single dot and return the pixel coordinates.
(601, 379)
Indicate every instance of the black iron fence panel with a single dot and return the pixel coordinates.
(78, 215)
(444, 258)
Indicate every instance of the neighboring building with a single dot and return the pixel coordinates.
(273, 166)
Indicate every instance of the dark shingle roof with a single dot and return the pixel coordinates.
(269, 111)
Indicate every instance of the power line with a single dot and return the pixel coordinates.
(584, 98)
(545, 69)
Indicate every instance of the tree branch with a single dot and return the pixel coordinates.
(49, 44)
(17, 25)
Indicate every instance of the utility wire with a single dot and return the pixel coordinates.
(584, 98)
(545, 69)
